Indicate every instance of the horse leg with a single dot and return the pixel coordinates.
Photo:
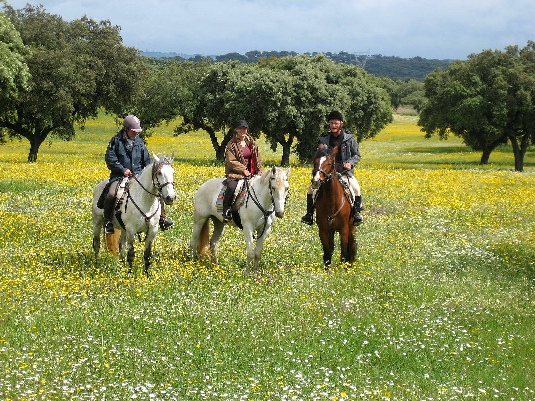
(219, 227)
(344, 245)
(97, 230)
(259, 246)
(251, 251)
(327, 243)
(98, 223)
(122, 245)
(351, 247)
(130, 255)
(147, 254)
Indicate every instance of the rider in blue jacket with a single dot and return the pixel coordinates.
(126, 155)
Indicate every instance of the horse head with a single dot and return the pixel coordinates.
(162, 176)
(278, 188)
(324, 166)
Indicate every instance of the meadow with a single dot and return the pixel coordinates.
(438, 305)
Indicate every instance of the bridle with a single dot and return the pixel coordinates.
(251, 194)
(328, 178)
(156, 168)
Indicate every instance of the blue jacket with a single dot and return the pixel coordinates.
(349, 149)
(119, 158)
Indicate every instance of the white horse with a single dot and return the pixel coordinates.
(140, 209)
(265, 199)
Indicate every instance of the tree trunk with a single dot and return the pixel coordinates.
(519, 150)
(35, 144)
(488, 150)
(485, 156)
(286, 150)
(218, 148)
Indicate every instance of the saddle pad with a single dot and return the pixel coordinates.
(347, 189)
(238, 198)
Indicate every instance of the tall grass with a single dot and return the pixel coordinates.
(438, 305)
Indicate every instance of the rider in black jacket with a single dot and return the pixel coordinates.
(347, 157)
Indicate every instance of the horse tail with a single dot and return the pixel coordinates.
(203, 245)
(112, 242)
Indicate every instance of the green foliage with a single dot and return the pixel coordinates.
(486, 100)
(76, 68)
(287, 99)
(14, 73)
(379, 65)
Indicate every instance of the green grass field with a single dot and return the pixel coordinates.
(438, 306)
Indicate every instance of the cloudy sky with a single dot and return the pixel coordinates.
(447, 29)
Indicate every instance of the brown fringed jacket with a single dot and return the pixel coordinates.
(235, 162)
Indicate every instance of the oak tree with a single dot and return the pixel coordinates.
(76, 68)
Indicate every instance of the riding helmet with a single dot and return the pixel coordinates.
(132, 122)
(335, 115)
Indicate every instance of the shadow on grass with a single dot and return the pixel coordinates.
(439, 149)
(85, 264)
(518, 261)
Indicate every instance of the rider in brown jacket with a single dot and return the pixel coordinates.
(242, 160)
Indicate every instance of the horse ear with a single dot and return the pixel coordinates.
(155, 157)
(172, 157)
(273, 170)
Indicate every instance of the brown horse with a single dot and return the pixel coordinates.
(333, 209)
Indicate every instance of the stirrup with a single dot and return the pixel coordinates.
(166, 223)
(358, 219)
(108, 227)
(308, 219)
(227, 215)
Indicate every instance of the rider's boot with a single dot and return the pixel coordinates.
(109, 203)
(227, 204)
(165, 222)
(357, 207)
(308, 218)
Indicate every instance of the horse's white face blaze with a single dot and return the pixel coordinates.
(279, 187)
(317, 179)
(165, 180)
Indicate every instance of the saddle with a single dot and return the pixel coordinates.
(119, 195)
(238, 198)
(344, 180)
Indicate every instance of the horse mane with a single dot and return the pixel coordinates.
(164, 159)
(265, 173)
(326, 151)
(269, 171)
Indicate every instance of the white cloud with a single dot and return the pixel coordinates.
(405, 28)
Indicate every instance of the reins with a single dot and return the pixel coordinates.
(328, 178)
(252, 195)
(155, 170)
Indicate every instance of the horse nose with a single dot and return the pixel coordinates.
(280, 215)
(169, 199)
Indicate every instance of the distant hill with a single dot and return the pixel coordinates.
(379, 65)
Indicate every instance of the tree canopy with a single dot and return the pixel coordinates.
(285, 98)
(486, 100)
(76, 68)
(14, 72)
